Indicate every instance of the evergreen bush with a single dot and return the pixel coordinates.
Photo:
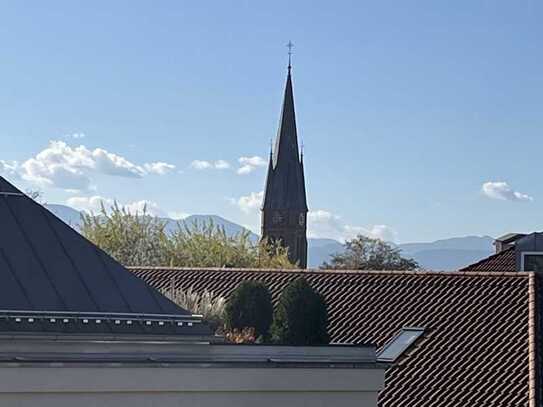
(250, 306)
(301, 316)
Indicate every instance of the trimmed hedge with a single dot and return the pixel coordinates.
(301, 316)
(250, 306)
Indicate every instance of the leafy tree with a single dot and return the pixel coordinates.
(132, 239)
(142, 240)
(250, 306)
(365, 253)
(206, 245)
(301, 316)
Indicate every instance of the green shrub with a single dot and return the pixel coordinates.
(301, 316)
(250, 306)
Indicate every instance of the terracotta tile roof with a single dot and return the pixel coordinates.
(478, 347)
(504, 261)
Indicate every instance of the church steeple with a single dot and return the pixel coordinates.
(284, 208)
(286, 144)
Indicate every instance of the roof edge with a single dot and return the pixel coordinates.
(532, 346)
(339, 272)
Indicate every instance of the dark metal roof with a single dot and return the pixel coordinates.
(285, 186)
(47, 266)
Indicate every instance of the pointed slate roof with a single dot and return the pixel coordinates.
(46, 267)
(285, 187)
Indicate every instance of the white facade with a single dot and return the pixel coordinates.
(74, 373)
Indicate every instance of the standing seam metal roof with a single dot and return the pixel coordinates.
(47, 266)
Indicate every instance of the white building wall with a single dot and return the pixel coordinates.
(103, 386)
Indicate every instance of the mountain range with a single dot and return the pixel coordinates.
(445, 254)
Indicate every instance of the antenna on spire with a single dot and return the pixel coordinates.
(290, 45)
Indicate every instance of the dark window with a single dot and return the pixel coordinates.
(533, 262)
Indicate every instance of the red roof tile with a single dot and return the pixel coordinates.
(503, 261)
(477, 349)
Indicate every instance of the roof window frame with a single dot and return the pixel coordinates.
(419, 332)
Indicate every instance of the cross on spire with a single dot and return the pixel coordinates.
(290, 45)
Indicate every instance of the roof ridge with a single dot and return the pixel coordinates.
(459, 273)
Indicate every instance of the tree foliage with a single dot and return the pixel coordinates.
(250, 306)
(365, 253)
(142, 240)
(132, 239)
(301, 317)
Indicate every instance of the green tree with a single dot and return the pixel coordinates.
(132, 239)
(142, 240)
(301, 316)
(365, 253)
(250, 306)
(206, 245)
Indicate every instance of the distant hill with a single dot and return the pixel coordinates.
(69, 215)
(445, 254)
(320, 250)
(230, 228)
(449, 254)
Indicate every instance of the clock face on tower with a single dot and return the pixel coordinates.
(277, 217)
(301, 219)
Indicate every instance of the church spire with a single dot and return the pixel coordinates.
(286, 144)
(284, 210)
(285, 182)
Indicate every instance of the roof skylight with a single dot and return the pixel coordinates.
(399, 344)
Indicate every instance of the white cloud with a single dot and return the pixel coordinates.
(93, 204)
(63, 166)
(250, 203)
(178, 215)
(255, 161)
(201, 165)
(205, 165)
(249, 164)
(159, 168)
(52, 174)
(246, 169)
(502, 191)
(113, 164)
(149, 207)
(324, 224)
(75, 136)
(221, 165)
(9, 168)
(382, 232)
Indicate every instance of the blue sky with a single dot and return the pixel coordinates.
(421, 120)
